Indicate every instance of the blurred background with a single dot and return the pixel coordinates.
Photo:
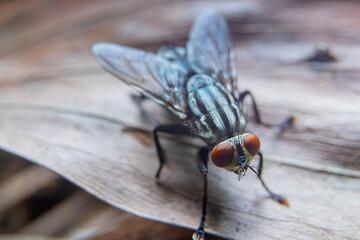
(297, 57)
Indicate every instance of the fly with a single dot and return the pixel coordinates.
(199, 85)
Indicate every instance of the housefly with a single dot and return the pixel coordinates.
(199, 85)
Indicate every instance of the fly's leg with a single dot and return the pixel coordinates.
(255, 109)
(138, 98)
(260, 166)
(171, 129)
(202, 159)
(280, 199)
(284, 125)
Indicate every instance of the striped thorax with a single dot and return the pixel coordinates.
(213, 111)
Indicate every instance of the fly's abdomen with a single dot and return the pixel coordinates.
(213, 111)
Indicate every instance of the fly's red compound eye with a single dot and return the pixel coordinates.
(251, 143)
(222, 155)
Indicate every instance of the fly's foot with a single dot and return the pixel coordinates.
(280, 199)
(157, 175)
(199, 234)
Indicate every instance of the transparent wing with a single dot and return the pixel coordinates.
(210, 49)
(149, 74)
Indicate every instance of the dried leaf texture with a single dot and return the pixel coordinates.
(59, 109)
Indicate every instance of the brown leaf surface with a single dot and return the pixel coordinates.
(58, 108)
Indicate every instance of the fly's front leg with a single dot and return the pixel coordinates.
(285, 124)
(260, 166)
(171, 129)
(202, 159)
(280, 199)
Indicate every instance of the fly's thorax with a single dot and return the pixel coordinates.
(212, 110)
(235, 154)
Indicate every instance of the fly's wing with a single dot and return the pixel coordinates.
(151, 75)
(210, 49)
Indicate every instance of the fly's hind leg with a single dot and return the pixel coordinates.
(284, 125)
(202, 159)
(171, 129)
(138, 98)
(279, 198)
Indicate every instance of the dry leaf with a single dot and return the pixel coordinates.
(59, 109)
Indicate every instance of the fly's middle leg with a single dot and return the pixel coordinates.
(171, 129)
(202, 160)
(254, 106)
(284, 125)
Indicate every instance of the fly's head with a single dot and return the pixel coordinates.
(235, 154)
